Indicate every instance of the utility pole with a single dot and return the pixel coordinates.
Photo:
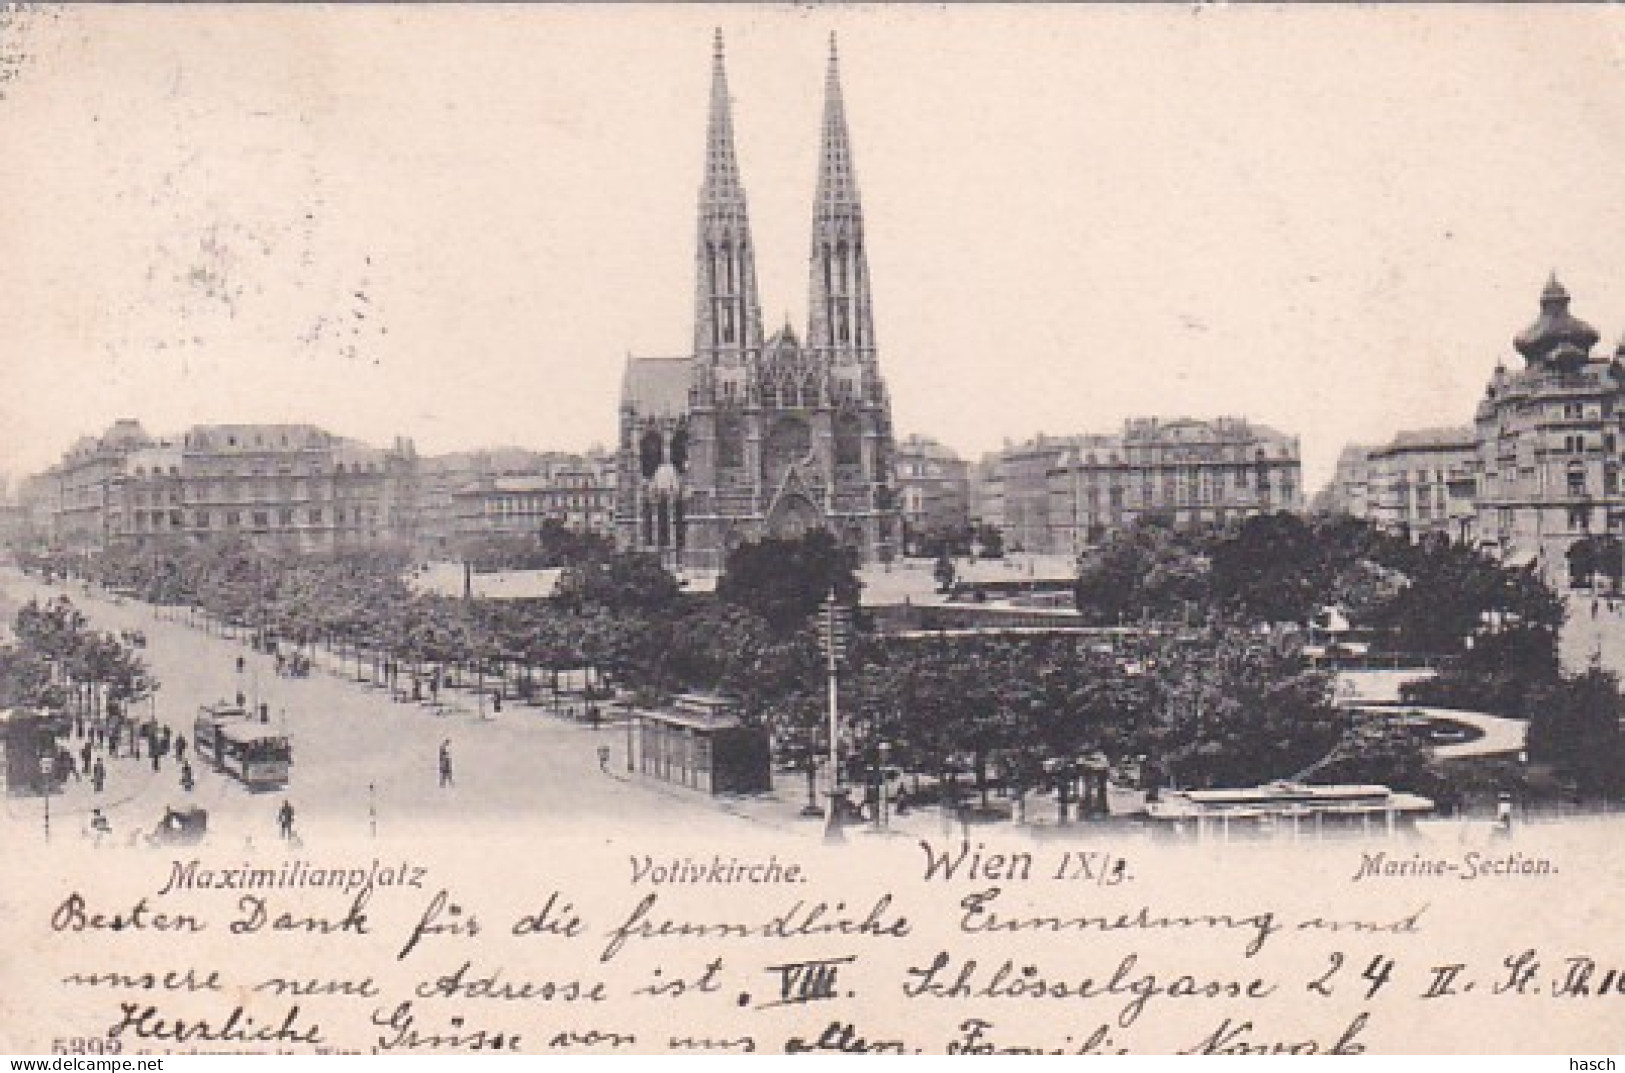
(835, 627)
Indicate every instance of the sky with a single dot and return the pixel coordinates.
(454, 223)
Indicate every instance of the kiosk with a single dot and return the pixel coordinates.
(701, 743)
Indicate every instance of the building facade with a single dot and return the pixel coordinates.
(1425, 482)
(1349, 490)
(1549, 439)
(747, 436)
(577, 491)
(285, 486)
(933, 485)
(1011, 489)
(1191, 472)
(85, 513)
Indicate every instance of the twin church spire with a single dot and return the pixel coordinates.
(728, 318)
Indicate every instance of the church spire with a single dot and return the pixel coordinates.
(727, 315)
(721, 169)
(841, 327)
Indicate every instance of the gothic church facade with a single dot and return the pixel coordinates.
(749, 436)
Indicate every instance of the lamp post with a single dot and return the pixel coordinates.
(834, 635)
(1059, 769)
(47, 769)
(629, 721)
(479, 684)
(809, 755)
(883, 760)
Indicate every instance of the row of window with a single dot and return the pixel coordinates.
(539, 504)
(247, 491)
(258, 519)
(1574, 480)
(315, 469)
(1152, 496)
(203, 440)
(577, 520)
(1172, 456)
(1097, 525)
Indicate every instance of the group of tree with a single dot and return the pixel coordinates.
(1215, 706)
(1493, 629)
(1597, 561)
(969, 540)
(1218, 702)
(553, 544)
(1430, 597)
(57, 661)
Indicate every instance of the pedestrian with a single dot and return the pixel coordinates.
(603, 759)
(180, 747)
(445, 763)
(239, 668)
(284, 819)
(84, 756)
(98, 776)
(99, 827)
(240, 698)
(187, 782)
(155, 761)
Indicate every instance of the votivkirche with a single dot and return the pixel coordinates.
(746, 436)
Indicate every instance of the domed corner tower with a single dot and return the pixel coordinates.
(1549, 439)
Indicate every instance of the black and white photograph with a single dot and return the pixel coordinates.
(996, 529)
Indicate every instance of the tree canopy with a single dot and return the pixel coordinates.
(785, 580)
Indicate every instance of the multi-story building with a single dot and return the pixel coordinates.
(1191, 472)
(85, 513)
(1012, 489)
(38, 505)
(575, 490)
(13, 518)
(933, 486)
(287, 486)
(1349, 490)
(987, 492)
(1549, 442)
(1424, 482)
(440, 478)
(747, 436)
(292, 486)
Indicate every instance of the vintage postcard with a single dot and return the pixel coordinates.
(811, 529)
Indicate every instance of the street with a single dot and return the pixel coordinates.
(523, 765)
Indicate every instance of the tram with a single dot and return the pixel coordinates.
(256, 755)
